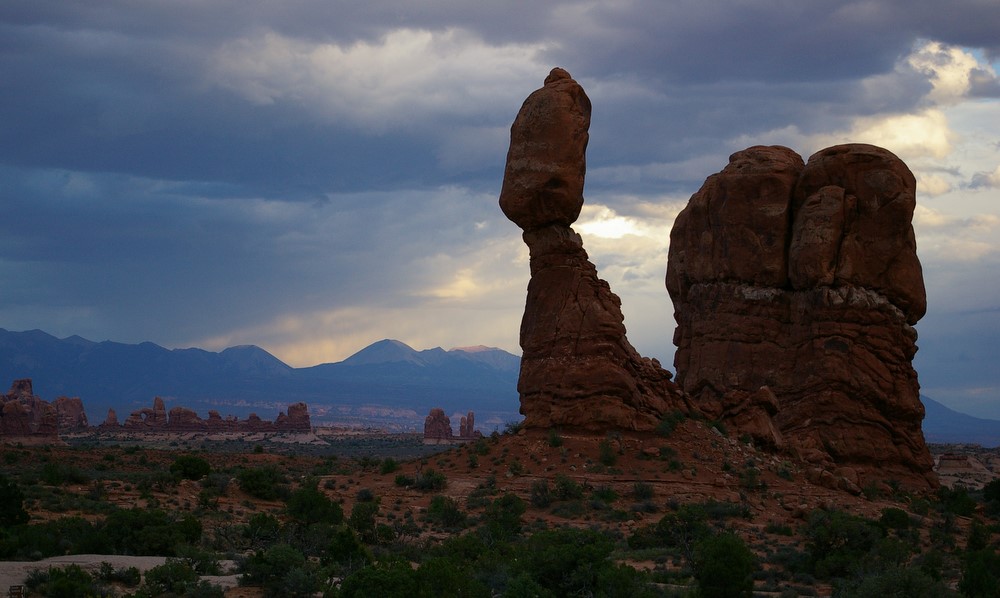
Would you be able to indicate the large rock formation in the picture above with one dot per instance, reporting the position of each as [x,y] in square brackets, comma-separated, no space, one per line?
[24,415]
[577,367]
[801,282]
[437,427]
[72,417]
[182,419]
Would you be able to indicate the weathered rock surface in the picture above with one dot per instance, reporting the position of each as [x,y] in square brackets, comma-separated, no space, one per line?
[437,427]
[22,414]
[182,419]
[804,279]
[467,427]
[577,367]
[72,417]
[111,421]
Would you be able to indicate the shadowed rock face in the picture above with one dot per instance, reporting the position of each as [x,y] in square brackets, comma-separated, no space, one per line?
[23,414]
[804,279]
[577,367]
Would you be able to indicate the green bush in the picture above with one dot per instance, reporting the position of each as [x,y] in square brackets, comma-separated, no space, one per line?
[838,542]
[309,505]
[541,497]
[723,567]
[190,467]
[68,582]
[444,511]
[901,582]
[430,480]
[265,483]
[606,453]
[388,466]
[980,574]
[894,518]
[11,504]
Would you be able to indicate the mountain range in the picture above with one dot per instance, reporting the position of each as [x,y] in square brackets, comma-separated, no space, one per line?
[387,384]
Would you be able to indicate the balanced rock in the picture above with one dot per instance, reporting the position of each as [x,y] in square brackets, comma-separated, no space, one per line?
[577,367]
[803,279]
[111,421]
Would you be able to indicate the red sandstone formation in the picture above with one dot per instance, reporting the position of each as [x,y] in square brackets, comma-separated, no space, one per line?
[577,368]
[111,421]
[72,417]
[182,419]
[22,414]
[437,427]
[467,427]
[801,282]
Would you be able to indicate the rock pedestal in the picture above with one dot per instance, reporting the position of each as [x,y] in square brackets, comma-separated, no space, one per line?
[577,367]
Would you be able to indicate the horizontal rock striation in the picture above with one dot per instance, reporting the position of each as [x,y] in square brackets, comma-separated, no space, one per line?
[802,279]
[577,367]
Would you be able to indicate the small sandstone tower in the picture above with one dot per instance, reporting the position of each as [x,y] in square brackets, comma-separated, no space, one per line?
[577,367]
[800,281]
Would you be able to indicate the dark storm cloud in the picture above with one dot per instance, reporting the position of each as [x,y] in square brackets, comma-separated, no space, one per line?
[174,171]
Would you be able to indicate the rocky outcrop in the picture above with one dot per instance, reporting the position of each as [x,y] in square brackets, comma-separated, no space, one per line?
[577,367]
[437,427]
[803,279]
[24,415]
[182,419]
[111,421]
[467,427]
[72,417]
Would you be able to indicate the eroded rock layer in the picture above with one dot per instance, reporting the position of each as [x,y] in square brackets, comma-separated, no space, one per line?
[577,367]
[803,279]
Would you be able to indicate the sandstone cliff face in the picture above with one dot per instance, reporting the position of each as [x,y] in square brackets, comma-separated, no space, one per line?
[577,367]
[802,280]
[437,427]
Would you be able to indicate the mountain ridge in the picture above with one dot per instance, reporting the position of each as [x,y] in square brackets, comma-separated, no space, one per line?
[387,374]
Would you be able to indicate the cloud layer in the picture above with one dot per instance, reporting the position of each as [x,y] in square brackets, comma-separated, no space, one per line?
[311,176]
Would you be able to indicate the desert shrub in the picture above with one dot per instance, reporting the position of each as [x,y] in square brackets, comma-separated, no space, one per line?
[956,500]
[444,511]
[566,489]
[682,529]
[541,497]
[502,519]
[723,567]
[265,483]
[144,532]
[385,579]
[388,466]
[669,423]
[404,481]
[555,439]
[58,474]
[204,562]
[190,467]
[67,582]
[281,570]
[837,542]
[308,505]
[606,453]
[606,494]
[345,553]
[904,582]
[172,577]
[642,491]
[894,518]
[980,574]
[11,504]
[430,480]
[438,576]
[262,529]
[129,577]
[991,491]
[572,562]
[362,520]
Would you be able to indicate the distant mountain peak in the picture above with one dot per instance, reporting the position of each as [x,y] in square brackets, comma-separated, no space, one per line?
[475,349]
[384,351]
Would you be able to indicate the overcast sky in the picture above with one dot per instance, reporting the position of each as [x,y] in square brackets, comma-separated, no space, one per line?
[311,176]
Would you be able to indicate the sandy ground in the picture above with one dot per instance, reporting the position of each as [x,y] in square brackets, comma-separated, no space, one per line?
[14,572]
